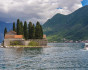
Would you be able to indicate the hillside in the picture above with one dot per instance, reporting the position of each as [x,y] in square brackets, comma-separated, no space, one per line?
[71,27]
[2,26]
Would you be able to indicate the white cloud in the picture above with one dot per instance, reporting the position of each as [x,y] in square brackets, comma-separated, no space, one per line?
[35,10]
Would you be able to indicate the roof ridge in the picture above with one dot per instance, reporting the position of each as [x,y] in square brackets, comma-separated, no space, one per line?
[12,32]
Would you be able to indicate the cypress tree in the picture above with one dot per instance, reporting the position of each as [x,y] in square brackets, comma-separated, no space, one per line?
[22,31]
[29,30]
[5,31]
[18,27]
[41,32]
[33,32]
[18,23]
[25,30]
[14,29]
[37,30]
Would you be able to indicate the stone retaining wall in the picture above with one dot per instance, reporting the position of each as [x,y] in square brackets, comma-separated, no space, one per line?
[41,42]
[7,41]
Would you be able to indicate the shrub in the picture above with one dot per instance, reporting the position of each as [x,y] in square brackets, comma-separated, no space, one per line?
[15,43]
[33,43]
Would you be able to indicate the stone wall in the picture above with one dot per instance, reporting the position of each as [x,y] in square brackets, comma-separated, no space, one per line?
[41,42]
[7,41]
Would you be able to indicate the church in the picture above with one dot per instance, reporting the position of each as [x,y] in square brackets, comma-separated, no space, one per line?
[12,36]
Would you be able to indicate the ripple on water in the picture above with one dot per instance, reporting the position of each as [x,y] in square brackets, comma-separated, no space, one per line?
[59,57]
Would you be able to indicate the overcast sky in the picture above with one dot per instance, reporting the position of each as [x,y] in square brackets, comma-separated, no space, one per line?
[36,10]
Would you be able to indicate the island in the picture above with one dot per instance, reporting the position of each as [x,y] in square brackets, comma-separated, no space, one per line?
[27,35]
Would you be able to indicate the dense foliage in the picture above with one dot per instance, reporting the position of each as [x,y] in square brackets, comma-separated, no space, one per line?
[22,28]
[38,31]
[14,26]
[15,43]
[5,31]
[25,30]
[18,27]
[71,27]
[33,43]
[30,31]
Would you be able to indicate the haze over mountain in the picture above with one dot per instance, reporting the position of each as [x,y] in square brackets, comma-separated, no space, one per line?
[72,27]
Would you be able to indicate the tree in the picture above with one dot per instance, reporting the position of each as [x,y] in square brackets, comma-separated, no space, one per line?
[14,29]
[18,22]
[22,27]
[18,27]
[29,30]
[25,30]
[33,32]
[5,31]
[41,32]
[38,31]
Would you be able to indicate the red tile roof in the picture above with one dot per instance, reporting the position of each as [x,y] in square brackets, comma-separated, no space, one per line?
[13,36]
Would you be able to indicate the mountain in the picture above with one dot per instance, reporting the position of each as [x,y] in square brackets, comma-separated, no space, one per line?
[71,27]
[2,27]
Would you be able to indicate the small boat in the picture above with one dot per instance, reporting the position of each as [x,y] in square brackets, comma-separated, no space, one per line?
[86,46]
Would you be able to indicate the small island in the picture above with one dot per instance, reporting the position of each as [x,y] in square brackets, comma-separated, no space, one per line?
[25,35]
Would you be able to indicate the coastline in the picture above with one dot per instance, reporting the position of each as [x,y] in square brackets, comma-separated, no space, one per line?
[24,46]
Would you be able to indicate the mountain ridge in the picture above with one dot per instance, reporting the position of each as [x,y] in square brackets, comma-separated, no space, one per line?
[72,27]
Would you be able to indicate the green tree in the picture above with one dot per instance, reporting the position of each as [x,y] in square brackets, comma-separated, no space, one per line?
[33,32]
[18,22]
[25,30]
[14,29]
[41,32]
[29,30]
[18,27]
[5,31]
[38,31]
[22,27]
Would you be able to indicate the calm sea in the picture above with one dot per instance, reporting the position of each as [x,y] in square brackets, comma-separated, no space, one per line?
[61,56]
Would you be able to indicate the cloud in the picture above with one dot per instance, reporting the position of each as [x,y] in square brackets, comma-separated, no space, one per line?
[35,10]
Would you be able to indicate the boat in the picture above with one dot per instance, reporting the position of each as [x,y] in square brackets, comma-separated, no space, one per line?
[86,46]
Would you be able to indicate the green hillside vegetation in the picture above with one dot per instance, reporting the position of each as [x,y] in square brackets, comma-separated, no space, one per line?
[71,27]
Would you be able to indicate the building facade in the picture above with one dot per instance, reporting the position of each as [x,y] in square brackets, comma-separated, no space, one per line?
[12,37]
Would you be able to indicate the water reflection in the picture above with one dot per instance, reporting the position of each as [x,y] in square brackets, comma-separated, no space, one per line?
[15,53]
[33,51]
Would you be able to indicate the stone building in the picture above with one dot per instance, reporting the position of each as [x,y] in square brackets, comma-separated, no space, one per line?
[12,36]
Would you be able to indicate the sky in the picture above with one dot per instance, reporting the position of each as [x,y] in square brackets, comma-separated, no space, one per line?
[85,2]
[37,10]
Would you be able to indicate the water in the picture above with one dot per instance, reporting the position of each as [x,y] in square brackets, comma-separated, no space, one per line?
[61,56]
